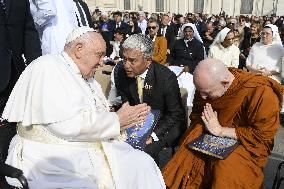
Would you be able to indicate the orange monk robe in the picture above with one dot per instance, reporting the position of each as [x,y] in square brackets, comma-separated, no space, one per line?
[251,105]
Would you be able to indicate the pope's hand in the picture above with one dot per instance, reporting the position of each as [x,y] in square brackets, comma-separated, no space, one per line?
[210,119]
[132,115]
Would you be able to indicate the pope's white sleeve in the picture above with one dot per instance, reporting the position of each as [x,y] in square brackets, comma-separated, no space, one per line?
[87,126]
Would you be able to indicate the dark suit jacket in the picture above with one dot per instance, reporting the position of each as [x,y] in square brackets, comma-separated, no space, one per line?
[163,95]
[112,26]
[187,56]
[17,36]
[170,35]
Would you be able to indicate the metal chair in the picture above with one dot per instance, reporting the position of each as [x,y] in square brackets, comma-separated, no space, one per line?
[9,171]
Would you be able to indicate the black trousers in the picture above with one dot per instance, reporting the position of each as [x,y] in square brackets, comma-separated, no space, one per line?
[8,131]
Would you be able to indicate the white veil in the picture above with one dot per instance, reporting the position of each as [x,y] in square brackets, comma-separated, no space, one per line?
[195,34]
[275,33]
[220,36]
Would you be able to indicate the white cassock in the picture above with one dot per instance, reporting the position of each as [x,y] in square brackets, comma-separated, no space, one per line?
[66,133]
[54,20]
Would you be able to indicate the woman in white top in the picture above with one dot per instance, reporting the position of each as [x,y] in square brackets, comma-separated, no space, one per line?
[266,56]
[223,48]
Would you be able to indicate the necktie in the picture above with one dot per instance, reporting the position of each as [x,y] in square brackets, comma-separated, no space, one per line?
[81,14]
[140,88]
[117,25]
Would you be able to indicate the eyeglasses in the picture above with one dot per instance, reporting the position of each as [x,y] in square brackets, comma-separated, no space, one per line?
[151,27]
[265,34]
[100,54]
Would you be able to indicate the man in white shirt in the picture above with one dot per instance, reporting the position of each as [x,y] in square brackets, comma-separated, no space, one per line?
[142,22]
[66,134]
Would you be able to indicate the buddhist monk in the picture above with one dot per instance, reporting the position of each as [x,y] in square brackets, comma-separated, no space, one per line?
[234,104]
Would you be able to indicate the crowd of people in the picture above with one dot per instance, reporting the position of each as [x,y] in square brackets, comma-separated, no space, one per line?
[64,132]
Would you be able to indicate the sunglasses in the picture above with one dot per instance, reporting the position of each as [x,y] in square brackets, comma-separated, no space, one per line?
[151,27]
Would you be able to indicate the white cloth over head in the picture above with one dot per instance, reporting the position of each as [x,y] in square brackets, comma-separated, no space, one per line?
[221,36]
[195,34]
[275,34]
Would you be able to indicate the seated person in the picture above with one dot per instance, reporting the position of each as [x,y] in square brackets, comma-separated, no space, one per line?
[141,80]
[266,56]
[160,42]
[223,48]
[116,55]
[66,134]
[188,50]
[234,104]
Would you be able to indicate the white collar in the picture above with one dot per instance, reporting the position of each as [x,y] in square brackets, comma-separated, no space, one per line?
[70,62]
[187,40]
[144,74]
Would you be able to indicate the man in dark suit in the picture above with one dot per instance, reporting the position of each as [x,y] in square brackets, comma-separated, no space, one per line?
[159,90]
[168,31]
[18,38]
[117,23]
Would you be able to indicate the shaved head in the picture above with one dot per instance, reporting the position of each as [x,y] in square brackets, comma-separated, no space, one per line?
[211,78]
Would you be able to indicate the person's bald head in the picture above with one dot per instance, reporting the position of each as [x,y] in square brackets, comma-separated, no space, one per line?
[212,78]
[87,51]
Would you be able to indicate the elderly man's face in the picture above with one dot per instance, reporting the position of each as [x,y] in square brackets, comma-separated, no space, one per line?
[208,90]
[92,57]
[134,62]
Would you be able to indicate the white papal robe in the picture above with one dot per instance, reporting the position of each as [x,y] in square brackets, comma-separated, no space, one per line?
[66,134]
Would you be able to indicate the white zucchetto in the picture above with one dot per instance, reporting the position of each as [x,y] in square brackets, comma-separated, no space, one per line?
[77,32]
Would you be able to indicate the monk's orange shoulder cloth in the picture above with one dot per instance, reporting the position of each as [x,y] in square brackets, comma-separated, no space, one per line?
[251,105]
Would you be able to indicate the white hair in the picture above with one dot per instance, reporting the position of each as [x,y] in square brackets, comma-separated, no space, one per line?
[139,42]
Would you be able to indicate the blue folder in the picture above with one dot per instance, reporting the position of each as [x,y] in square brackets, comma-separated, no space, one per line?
[139,134]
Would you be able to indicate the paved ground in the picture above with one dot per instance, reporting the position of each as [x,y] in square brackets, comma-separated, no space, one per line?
[276,157]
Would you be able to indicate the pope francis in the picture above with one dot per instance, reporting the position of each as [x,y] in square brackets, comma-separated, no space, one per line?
[66,136]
